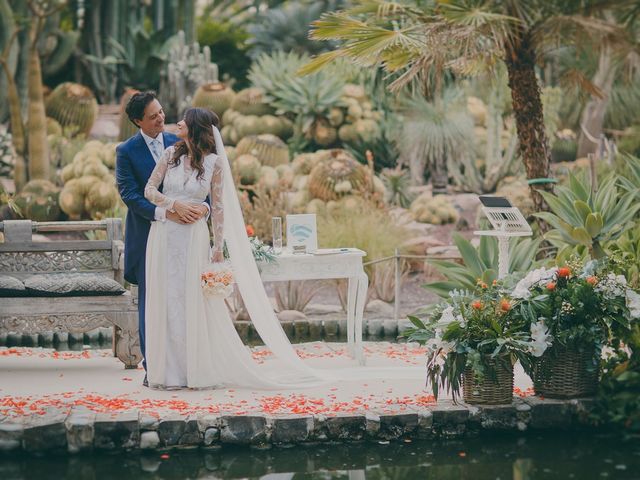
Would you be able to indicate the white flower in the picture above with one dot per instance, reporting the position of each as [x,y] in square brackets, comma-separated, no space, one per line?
[540,338]
[633,303]
[343,187]
[533,278]
[447,317]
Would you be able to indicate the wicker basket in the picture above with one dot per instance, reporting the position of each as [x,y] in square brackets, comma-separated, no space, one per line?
[493,388]
[566,373]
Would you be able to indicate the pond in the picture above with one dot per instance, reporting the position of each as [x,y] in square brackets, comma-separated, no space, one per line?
[579,455]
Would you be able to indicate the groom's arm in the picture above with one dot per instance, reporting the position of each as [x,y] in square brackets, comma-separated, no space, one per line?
[132,195]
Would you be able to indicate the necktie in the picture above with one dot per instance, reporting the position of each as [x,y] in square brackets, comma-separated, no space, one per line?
[156,150]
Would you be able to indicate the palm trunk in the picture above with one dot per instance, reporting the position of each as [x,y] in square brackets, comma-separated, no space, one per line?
[592,119]
[527,107]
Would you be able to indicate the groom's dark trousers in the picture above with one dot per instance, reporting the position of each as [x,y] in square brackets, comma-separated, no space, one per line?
[134,164]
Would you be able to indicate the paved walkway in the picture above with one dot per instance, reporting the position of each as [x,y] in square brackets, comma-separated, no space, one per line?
[35,381]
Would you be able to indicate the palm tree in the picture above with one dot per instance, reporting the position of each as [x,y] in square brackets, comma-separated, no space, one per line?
[420,37]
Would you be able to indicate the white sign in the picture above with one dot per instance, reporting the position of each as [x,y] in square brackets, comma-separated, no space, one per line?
[302,231]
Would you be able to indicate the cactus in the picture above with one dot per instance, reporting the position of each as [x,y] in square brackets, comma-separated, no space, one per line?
[229,116]
[285,173]
[102,197]
[217,97]
[53,127]
[435,210]
[247,125]
[71,199]
[268,149]
[127,128]
[268,178]
[247,167]
[337,174]
[323,133]
[186,69]
[7,153]
[303,163]
[38,201]
[251,101]
[74,106]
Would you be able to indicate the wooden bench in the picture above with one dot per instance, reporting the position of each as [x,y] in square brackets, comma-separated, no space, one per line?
[22,256]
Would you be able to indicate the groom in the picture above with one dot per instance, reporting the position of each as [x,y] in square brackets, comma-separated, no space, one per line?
[135,160]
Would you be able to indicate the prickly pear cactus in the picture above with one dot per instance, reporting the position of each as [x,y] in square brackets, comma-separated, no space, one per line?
[73,106]
[336,175]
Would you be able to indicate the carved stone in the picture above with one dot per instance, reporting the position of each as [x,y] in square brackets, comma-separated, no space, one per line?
[55,262]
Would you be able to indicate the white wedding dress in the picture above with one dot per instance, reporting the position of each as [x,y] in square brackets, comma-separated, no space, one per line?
[191,340]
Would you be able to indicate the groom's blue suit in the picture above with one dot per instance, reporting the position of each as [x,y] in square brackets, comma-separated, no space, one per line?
[134,164]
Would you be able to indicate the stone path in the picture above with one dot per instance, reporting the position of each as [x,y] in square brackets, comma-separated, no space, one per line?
[76,401]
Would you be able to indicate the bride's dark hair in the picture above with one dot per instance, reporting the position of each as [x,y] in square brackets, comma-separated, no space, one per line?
[200,138]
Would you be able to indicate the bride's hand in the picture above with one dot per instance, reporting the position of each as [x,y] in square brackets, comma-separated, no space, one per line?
[188,212]
[217,257]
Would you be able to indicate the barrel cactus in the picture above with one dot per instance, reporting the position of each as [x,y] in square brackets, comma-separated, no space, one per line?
[102,197]
[303,163]
[251,101]
[336,175]
[247,168]
[268,177]
[53,127]
[436,210]
[71,199]
[74,107]
[215,96]
[38,201]
[269,149]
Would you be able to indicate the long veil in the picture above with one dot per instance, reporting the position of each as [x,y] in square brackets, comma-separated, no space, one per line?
[257,302]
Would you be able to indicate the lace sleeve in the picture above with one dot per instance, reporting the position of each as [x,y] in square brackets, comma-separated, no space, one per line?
[217,208]
[151,191]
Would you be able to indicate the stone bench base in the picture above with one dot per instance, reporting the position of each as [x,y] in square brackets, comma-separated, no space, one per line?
[77,315]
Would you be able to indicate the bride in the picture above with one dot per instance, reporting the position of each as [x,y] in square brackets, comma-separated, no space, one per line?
[191,339]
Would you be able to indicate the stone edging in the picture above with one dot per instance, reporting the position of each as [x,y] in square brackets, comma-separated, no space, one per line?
[83,430]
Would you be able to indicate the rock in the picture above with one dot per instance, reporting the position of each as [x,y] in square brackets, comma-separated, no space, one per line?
[380,308]
[211,436]
[179,431]
[390,328]
[346,427]
[301,330]
[245,430]
[80,430]
[45,339]
[449,419]
[397,425]
[10,436]
[291,316]
[315,330]
[149,440]
[61,337]
[116,431]
[47,433]
[291,430]
[498,417]
[320,309]
[331,327]
[374,327]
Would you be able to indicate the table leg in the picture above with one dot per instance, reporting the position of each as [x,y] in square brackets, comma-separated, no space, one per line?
[352,291]
[363,285]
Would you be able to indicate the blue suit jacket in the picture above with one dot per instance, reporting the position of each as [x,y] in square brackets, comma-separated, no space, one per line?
[134,164]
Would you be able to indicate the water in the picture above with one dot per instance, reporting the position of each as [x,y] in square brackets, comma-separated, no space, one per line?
[576,455]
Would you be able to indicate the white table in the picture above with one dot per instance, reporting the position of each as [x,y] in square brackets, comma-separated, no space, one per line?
[346,264]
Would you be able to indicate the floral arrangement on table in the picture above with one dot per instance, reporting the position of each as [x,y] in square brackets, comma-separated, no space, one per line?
[261,251]
[474,331]
[217,281]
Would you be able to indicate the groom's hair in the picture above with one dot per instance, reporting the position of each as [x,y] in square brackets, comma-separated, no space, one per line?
[137,103]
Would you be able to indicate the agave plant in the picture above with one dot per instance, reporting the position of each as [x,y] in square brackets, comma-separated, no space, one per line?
[481,263]
[582,216]
[434,133]
[397,182]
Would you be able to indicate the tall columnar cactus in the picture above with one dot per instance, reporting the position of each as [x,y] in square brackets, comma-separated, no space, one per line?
[186,69]
[127,128]
[336,175]
[37,122]
[217,97]
[74,106]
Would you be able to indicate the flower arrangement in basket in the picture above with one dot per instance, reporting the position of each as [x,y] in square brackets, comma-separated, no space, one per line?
[475,341]
[578,307]
[217,281]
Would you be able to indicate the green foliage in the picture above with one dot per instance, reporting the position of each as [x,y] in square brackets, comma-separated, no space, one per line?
[383,147]
[228,48]
[397,183]
[472,329]
[580,217]
[481,263]
[630,142]
[286,28]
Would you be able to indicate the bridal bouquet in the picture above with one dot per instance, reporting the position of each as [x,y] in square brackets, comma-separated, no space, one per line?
[217,281]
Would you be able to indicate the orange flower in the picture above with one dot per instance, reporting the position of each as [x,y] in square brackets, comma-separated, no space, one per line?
[551,286]
[477,304]
[250,231]
[494,283]
[564,272]
[592,280]
[505,305]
